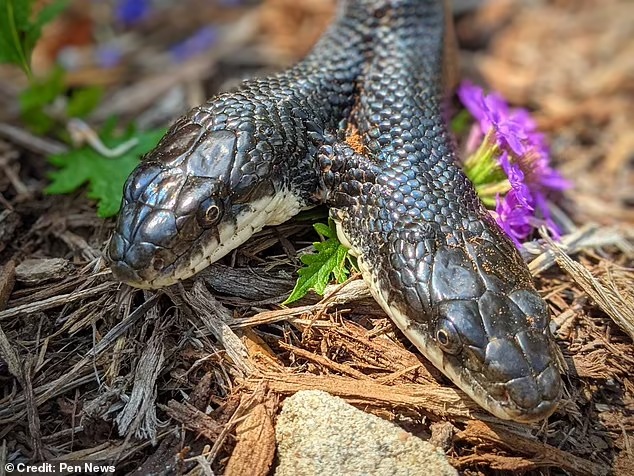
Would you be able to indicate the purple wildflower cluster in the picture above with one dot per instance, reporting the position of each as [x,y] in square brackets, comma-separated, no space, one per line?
[510,137]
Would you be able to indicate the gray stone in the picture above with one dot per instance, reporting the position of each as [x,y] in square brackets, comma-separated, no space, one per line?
[318,434]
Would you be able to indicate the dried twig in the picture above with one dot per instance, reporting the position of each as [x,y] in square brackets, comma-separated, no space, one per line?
[605,294]
[480,433]
[217,320]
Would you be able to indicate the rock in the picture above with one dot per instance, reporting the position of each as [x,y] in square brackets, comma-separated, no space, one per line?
[36,271]
[320,434]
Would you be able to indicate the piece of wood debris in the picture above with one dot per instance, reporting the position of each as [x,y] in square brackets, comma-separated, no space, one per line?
[442,434]
[479,433]
[217,319]
[251,284]
[58,300]
[441,401]
[193,419]
[7,281]
[590,236]
[164,461]
[37,271]
[604,292]
[138,417]
[354,291]
[255,449]
[9,223]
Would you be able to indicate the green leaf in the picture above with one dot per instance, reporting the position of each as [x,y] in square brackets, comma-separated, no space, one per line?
[14,18]
[43,92]
[37,96]
[328,261]
[104,176]
[83,101]
[19,32]
[325,230]
[461,122]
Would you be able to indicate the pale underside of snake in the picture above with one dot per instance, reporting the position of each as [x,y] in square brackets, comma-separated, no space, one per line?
[433,258]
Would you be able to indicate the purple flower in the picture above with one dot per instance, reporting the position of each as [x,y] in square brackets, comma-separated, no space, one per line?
[516,178]
[511,137]
[198,43]
[129,12]
[513,216]
[108,55]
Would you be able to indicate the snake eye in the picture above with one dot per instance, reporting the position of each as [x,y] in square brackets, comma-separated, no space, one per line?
[209,213]
[448,338]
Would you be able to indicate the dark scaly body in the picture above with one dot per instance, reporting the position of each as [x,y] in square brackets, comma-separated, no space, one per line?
[434,259]
[432,255]
[243,160]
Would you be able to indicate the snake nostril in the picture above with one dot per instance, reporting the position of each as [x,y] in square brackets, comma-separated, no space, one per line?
[158,264]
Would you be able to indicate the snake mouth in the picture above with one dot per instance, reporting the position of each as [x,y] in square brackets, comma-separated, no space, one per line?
[150,270]
[146,265]
[531,395]
[152,248]
[524,399]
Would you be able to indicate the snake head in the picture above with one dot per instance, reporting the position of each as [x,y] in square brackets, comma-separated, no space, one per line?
[490,330]
[502,345]
[470,307]
[178,214]
[165,218]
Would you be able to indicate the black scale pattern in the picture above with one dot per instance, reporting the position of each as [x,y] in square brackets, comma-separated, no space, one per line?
[434,257]
[235,149]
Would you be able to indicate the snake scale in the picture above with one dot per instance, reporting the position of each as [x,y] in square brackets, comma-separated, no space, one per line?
[358,124]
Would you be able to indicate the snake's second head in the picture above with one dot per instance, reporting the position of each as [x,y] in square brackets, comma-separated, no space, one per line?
[169,226]
[490,330]
[181,212]
[500,346]
[474,313]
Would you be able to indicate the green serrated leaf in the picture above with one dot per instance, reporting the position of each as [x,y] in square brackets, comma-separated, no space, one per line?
[19,33]
[329,261]
[325,230]
[104,176]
